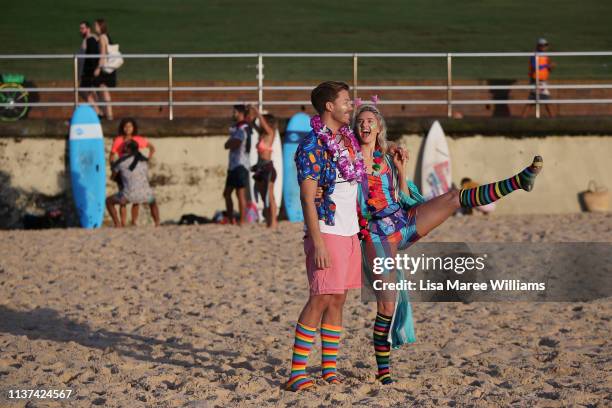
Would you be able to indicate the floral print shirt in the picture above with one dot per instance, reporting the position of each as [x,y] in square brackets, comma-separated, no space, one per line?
[314,162]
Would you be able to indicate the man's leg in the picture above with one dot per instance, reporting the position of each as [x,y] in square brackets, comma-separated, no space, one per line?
[305,333]
[229,205]
[91,99]
[242,203]
[331,329]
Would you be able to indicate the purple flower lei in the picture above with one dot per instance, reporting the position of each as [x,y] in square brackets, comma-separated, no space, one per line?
[349,169]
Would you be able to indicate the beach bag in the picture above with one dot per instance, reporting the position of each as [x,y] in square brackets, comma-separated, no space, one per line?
[596,198]
[114,60]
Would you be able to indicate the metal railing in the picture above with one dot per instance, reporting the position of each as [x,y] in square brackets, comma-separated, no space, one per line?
[260,88]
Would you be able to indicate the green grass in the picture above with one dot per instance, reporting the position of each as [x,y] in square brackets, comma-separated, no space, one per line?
[187,26]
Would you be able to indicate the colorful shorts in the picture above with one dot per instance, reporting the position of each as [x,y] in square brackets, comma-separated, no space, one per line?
[345,270]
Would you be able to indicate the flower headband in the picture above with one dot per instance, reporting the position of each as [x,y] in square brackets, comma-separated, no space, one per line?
[358,101]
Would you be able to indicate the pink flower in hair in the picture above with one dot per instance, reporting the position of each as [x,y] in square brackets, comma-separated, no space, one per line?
[358,102]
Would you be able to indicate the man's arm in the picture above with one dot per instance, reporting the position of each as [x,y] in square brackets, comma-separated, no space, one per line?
[232,143]
[308,190]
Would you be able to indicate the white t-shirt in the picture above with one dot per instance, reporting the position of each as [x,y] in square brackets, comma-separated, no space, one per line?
[345,216]
[240,156]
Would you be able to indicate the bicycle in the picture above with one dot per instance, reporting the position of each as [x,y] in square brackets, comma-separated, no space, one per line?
[14,97]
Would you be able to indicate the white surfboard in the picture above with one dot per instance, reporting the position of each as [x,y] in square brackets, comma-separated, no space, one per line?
[277,158]
[436,168]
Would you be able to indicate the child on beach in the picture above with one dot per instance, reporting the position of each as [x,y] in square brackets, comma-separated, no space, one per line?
[238,144]
[393,216]
[328,157]
[128,131]
[132,169]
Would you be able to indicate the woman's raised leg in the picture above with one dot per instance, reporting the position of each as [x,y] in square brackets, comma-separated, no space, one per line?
[435,211]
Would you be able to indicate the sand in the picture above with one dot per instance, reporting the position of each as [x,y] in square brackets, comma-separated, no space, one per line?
[203,316]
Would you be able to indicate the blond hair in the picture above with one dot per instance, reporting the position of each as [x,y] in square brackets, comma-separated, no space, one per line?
[381,139]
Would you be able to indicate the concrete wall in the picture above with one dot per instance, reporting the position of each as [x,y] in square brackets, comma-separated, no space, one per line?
[569,163]
[188,173]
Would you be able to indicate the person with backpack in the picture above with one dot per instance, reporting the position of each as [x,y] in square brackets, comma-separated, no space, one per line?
[102,77]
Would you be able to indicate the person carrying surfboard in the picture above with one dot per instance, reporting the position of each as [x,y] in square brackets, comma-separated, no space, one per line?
[328,157]
[393,215]
[264,172]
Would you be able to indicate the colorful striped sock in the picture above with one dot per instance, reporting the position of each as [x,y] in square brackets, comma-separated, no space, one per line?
[382,347]
[330,340]
[304,339]
[488,193]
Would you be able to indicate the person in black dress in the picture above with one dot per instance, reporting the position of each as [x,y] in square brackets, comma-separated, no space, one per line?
[102,78]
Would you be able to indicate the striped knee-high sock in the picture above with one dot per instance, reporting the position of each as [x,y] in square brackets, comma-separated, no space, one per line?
[382,347]
[330,340]
[304,339]
[488,193]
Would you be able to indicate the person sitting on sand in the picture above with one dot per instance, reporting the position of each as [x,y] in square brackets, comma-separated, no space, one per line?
[128,131]
[132,169]
[393,216]
[238,144]
[264,171]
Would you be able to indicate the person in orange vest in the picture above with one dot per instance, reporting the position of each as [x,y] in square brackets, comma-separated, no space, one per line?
[542,73]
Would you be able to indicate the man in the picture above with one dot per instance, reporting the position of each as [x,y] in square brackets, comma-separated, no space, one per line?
[542,73]
[238,144]
[328,158]
[87,66]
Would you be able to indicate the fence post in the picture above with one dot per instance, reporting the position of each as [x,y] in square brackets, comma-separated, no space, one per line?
[537,85]
[449,85]
[355,62]
[260,81]
[170,91]
[75,72]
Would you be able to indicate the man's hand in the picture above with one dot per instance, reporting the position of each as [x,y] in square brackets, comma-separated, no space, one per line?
[322,258]
[319,194]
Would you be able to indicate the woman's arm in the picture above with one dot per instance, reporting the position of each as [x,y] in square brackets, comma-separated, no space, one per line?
[265,125]
[399,161]
[151,149]
[103,51]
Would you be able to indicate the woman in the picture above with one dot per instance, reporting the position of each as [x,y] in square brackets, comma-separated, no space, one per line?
[104,79]
[133,170]
[128,131]
[264,171]
[393,216]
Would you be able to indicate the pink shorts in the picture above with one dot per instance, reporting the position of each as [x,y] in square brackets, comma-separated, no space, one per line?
[345,271]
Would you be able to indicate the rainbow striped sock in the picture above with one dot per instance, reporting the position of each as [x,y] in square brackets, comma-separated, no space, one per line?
[304,339]
[330,340]
[488,193]
[382,347]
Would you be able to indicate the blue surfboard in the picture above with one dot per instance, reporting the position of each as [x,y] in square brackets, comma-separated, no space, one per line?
[87,166]
[297,128]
